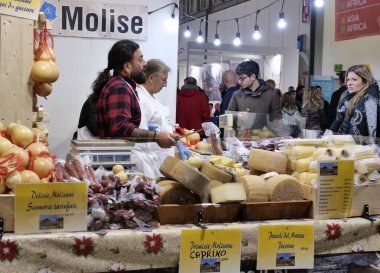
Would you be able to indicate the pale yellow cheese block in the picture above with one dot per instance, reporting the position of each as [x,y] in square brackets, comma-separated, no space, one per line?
[172,192]
[267,161]
[284,188]
[215,183]
[214,173]
[302,151]
[222,160]
[187,175]
[228,192]
[256,188]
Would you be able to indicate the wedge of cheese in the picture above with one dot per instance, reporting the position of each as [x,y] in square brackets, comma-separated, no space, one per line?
[284,187]
[222,160]
[194,161]
[172,192]
[214,173]
[228,192]
[187,175]
[256,188]
[301,165]
[267,161]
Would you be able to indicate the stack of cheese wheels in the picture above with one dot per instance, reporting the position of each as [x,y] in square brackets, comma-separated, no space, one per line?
[267,161]
[187,175]
[173,192]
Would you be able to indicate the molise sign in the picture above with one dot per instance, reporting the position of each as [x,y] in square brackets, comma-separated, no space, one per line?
[97,19]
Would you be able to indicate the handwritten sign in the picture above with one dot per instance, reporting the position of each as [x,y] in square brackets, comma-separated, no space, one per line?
[356,18]
[27,9]
[51,207]
[335,189]
[285,247]
[210,251]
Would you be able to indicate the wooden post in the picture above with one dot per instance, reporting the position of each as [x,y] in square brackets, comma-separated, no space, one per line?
[16,60]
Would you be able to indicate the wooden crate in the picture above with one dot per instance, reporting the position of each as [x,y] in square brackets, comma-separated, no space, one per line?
[188,214]
[274,210]
[7,210]
[363,194]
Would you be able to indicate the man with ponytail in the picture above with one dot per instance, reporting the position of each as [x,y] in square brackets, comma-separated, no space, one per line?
[118,111]
[361,103]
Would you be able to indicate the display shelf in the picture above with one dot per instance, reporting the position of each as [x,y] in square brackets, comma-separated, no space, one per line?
[160,248]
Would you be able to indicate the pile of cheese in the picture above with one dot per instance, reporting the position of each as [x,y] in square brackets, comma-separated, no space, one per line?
[221,180]
[303,156]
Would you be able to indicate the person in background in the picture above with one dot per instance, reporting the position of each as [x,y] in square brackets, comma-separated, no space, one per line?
[211,106]
[290,115]
[278,92]
[253,95]
[192,106]
[326,104]
[291,88]
[87,127]
[271,84]
[217,110]
[312,109]
[299,97]
[230,82]
[222,88]
[335,98]
[154,116]
[363,110]
[118,111]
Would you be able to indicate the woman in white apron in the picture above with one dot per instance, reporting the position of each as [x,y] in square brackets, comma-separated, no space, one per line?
[154,116]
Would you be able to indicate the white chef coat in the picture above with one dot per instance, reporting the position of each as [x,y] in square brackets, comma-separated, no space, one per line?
[149,156]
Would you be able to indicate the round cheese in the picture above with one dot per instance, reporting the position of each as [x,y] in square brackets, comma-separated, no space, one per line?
[256,188]
[173,192]
[284,187]
[267,161]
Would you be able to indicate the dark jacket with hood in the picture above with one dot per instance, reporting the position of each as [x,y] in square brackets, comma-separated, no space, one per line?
[365,120]
[263,101]
[192,107]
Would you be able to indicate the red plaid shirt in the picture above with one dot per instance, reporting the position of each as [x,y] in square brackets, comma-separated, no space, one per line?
[118,109]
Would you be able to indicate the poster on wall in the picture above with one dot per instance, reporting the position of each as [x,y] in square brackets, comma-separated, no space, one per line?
[97,19]
[355,19]
[327,84]
[22,9]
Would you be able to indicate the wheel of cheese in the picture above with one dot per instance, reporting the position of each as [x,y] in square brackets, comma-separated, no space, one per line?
[256,188]
[214,173]
[187,175]
[228,192]
[173,192]
[267,161]
[284,187]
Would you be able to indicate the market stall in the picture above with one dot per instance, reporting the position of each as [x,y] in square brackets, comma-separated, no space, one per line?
[109,251]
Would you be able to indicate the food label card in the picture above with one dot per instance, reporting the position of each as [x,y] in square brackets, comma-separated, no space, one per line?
[208,250]
[50,207]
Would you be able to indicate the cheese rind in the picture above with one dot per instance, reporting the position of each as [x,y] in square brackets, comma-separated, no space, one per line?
[187,175]
[267,161]
[256,188]
[228,192]
[284,187]
[214,173]
[173,192]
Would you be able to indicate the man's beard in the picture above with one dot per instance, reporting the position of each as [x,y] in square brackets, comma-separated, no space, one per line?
[138,77]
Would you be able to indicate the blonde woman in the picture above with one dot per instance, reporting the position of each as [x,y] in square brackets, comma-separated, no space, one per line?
[363,109]
[312,109]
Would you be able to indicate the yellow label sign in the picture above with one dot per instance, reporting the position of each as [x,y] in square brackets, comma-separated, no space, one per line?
[50,207]
[27,9]
[285,247]
[210,250]
[335,188]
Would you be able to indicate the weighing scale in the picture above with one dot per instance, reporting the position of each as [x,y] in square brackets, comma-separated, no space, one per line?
[104,152]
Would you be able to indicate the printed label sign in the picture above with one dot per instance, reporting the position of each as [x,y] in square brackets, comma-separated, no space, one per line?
[335,189]
[356,18]
[285,247]
[210,250]
[27,9]
[50,207]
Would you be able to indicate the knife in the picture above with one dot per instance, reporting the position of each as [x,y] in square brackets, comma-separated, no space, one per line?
[176,138]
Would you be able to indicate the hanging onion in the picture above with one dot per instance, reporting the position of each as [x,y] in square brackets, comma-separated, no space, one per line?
[41,71]
[42,89]
[20,152]
[43,166]
[37,148]
[5,144]
[28,176]
[21,135]
[13,179]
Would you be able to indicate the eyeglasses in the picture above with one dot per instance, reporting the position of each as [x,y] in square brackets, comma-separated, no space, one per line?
[242,78]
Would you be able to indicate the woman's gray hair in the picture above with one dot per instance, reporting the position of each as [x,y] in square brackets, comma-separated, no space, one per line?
[155,66]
